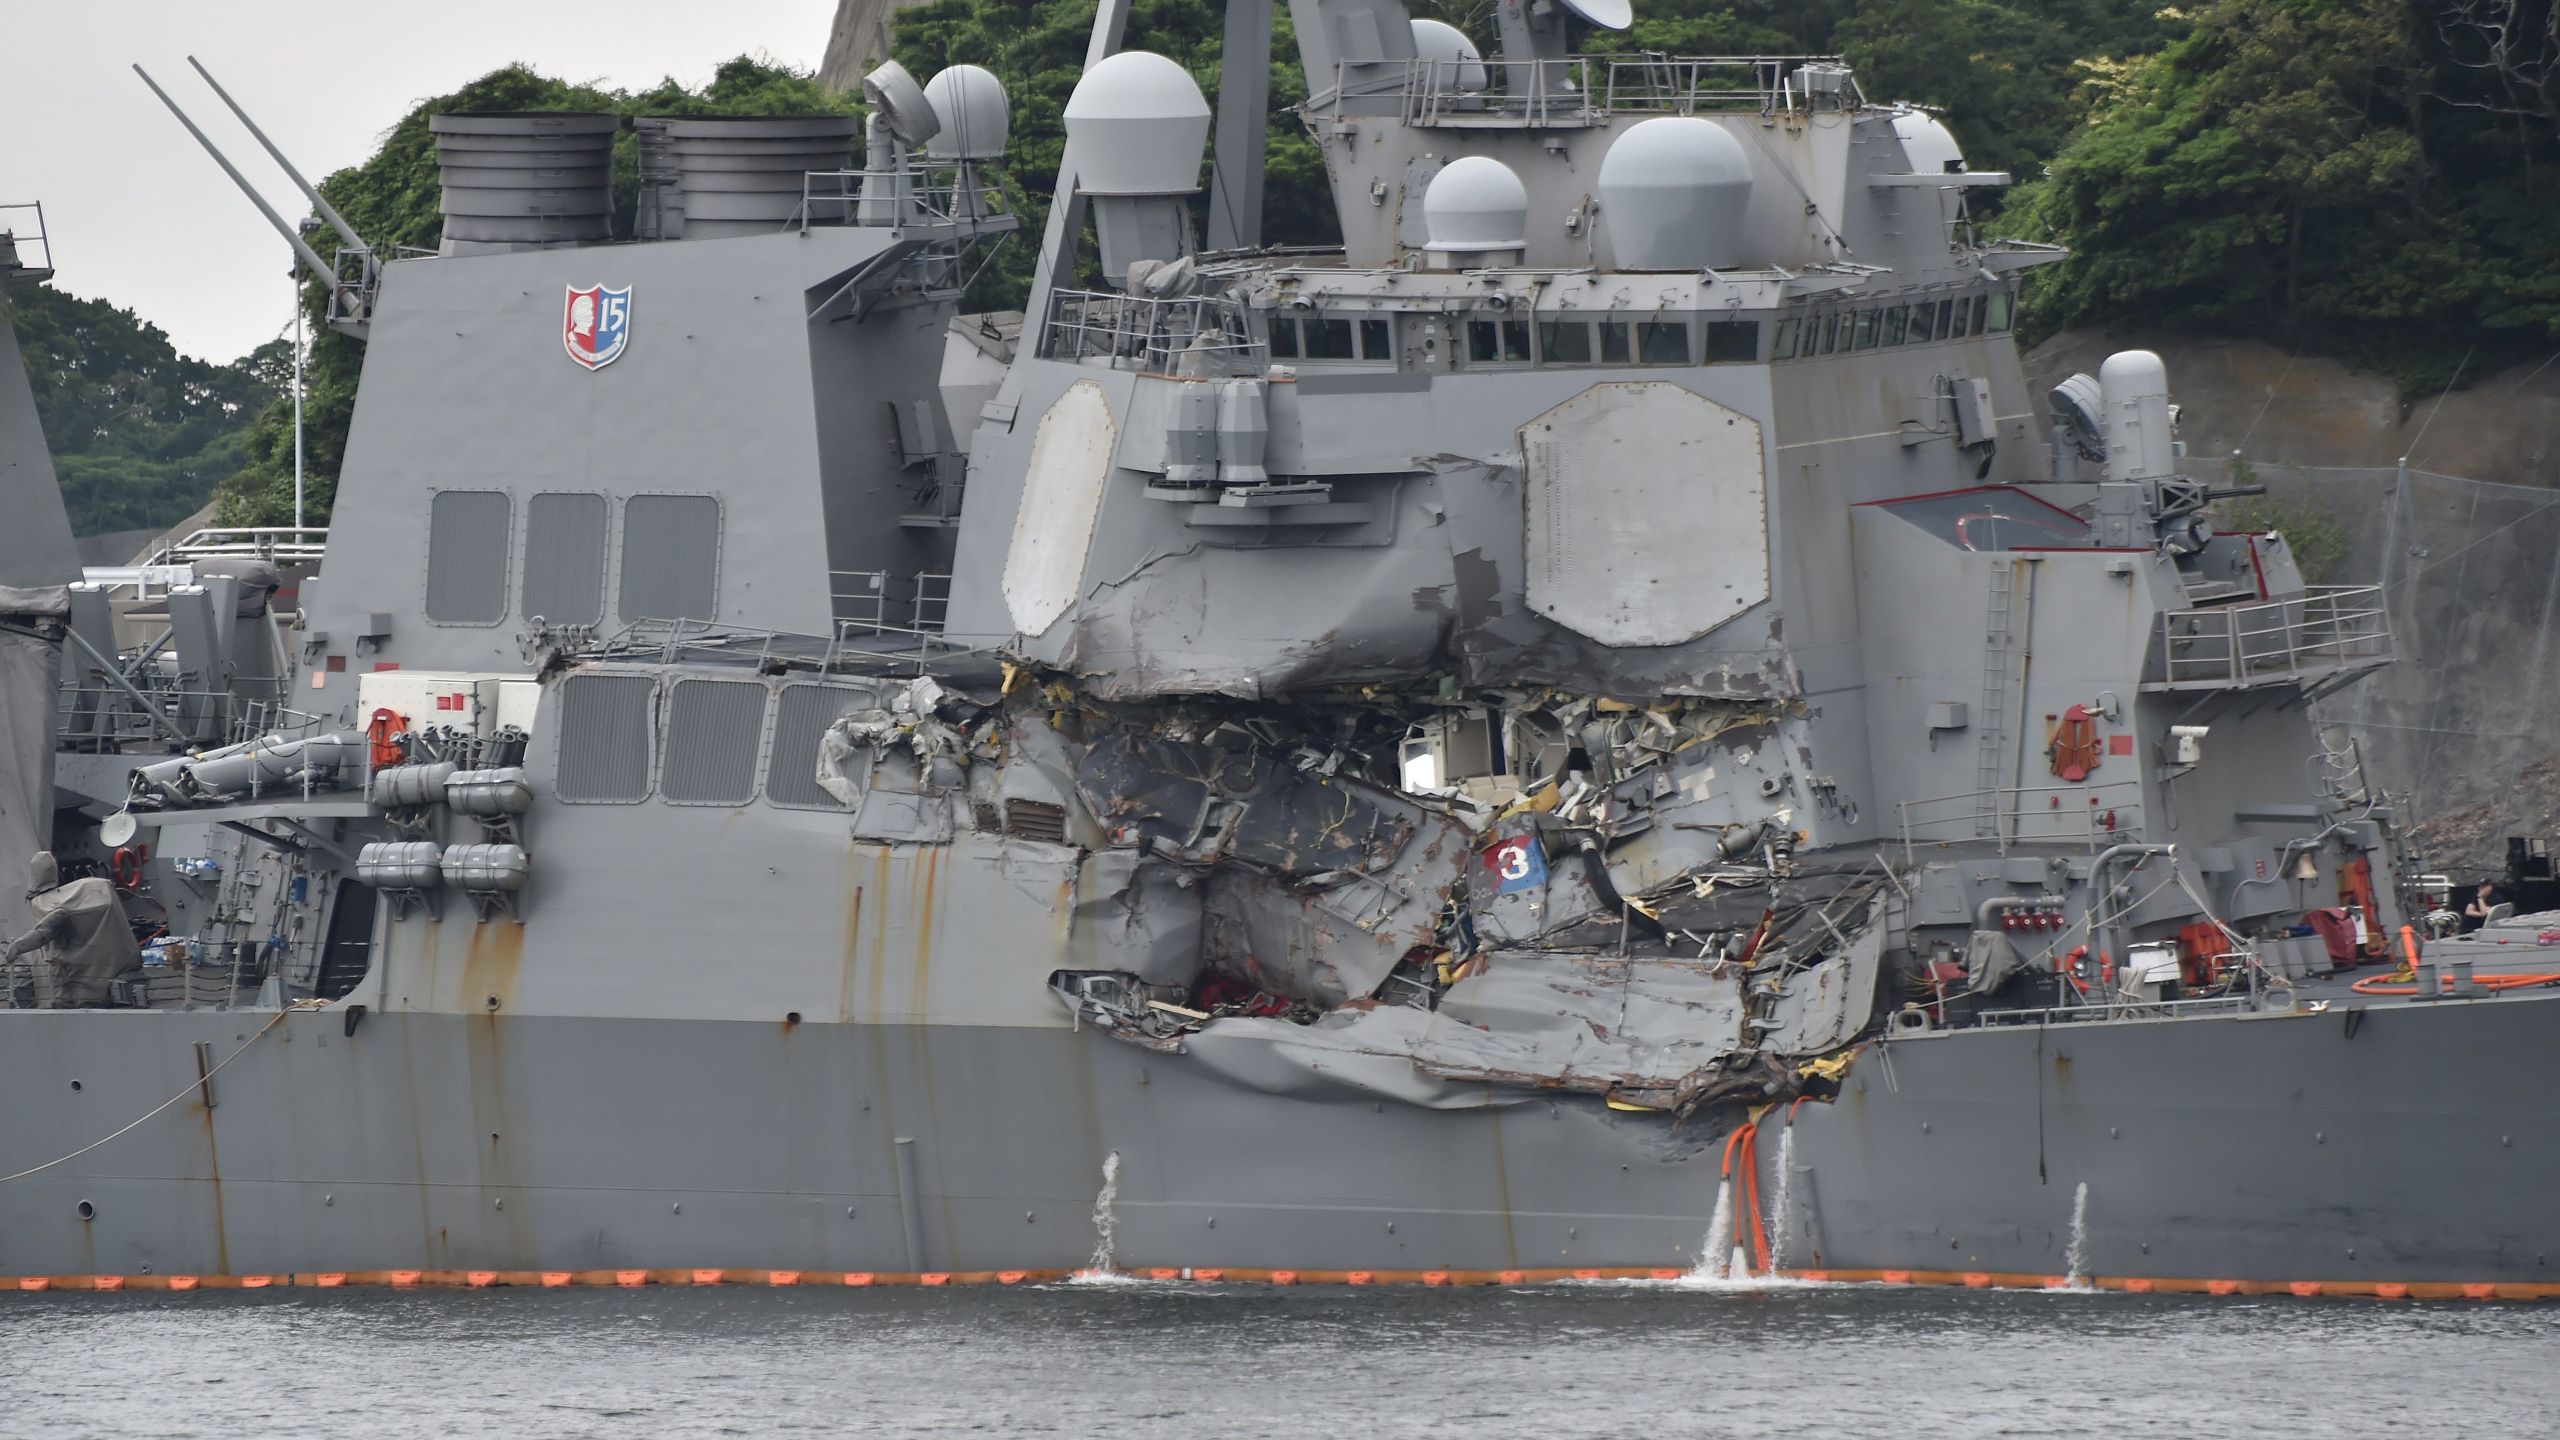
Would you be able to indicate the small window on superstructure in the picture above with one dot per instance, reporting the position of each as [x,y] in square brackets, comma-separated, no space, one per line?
[1867,329]
[1733,341]
[2002,302]
[1939,328]
[1782,341]
[1895,323]
[1564,342]
[1964,319]
[1329,339]
[1284,338]
[1377,339]
[1662,342]
[1616,346]
[1498,342]
[1981,314]
[1831,326]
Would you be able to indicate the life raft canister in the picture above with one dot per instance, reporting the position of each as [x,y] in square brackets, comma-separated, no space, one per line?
[383,732]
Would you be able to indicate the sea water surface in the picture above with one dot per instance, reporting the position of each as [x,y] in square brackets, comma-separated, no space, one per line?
[1194,1360]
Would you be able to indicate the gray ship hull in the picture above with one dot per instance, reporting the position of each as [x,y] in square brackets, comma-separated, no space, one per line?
[2266,1150]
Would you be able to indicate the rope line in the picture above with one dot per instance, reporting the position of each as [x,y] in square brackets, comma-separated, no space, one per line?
[191,1086]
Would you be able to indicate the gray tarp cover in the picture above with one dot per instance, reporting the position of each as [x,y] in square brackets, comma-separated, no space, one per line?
[30,667]
[80,932]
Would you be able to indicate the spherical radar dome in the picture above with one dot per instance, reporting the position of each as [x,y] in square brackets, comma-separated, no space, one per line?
[1673,191]
[1137,122]
[1455,62]
[1476,203]
[976,116]
[1927,144]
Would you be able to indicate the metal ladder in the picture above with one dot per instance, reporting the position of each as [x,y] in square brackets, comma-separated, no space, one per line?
[1995,700]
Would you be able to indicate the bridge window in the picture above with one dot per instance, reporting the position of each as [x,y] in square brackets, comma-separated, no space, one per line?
[2002,302]
[1565,342]
[1498,342]
[1782,341]
[1730,341]
[1377,340]
[1662,342]
[1615,348]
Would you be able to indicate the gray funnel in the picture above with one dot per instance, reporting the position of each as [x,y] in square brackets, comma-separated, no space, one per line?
[744,175]
[517,181]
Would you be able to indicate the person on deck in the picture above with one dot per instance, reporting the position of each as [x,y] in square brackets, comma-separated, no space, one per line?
[2476,913]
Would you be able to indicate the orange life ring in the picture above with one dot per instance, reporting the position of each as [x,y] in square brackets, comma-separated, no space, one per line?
[124,868]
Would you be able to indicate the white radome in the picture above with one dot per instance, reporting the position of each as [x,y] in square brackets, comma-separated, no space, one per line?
[1476,203]
[1136,123]
[977,117]
[1455,61]
[1673,191]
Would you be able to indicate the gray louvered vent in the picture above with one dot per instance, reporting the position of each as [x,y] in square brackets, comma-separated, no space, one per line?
[670,558]
[1036,820]
[467,532]
[605,739]
[713,730]
[564,558]
[800,717]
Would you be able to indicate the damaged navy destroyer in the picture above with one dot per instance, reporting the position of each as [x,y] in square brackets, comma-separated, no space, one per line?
[1595,729]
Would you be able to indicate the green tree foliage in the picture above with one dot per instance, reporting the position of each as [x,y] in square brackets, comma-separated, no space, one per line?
[2373,178]
[140,434]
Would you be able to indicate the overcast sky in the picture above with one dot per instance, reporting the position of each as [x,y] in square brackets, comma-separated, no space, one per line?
[139,215]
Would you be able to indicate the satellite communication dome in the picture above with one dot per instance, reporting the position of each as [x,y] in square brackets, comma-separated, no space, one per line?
[1476,203]
[1929,146]
[1455,62]
[1137,122]
[1673,190]
[976,116]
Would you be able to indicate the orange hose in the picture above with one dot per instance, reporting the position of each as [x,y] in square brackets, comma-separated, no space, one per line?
[1759,1225]
[1740,1132]
[2409,943]
[2381,984]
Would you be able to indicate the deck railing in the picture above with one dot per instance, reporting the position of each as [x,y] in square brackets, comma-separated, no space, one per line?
[2325,632]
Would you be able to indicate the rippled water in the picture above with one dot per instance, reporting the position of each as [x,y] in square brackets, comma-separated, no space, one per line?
[1194,1360]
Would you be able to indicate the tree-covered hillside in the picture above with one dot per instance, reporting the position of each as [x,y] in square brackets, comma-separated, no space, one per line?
[140,434]
[2375,179]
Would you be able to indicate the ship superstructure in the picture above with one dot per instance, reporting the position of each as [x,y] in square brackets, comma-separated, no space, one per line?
[1405,758]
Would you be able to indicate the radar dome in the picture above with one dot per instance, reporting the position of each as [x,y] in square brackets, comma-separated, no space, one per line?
[1929,146]
[1455,62]
[975,114]
[1476,203]
[1672,191]
[1137,123]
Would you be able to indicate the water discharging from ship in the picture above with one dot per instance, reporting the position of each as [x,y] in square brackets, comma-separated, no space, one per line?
[1778,1219]
[2075,1256]
[1105,1218]
[1717,1254]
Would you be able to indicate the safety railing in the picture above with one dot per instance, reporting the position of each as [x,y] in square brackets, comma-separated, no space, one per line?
[1135,332]
[917,193]
[25,251]
[2090,816]
[2325,632]
[877,602]
[1587,89]
[284,544]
